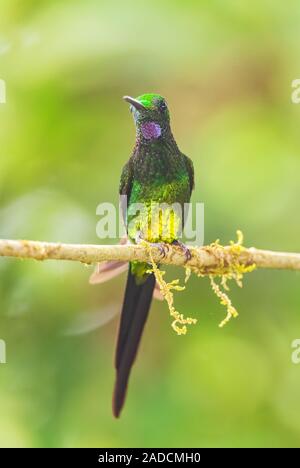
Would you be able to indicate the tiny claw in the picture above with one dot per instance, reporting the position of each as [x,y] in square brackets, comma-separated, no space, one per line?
[163,248]
[138,238]
[184,248]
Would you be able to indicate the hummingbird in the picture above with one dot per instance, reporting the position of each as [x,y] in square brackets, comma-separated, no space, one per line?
[155,181]
[156,173]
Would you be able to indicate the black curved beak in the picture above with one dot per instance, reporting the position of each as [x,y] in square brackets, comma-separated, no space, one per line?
[134,102]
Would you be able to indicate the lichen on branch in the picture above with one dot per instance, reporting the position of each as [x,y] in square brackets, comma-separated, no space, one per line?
[180,322]
[226,263]
[226,272]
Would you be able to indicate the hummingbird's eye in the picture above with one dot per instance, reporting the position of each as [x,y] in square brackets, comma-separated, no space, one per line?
[162,105]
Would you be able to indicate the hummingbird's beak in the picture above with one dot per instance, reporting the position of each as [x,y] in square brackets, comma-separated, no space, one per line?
[134,102]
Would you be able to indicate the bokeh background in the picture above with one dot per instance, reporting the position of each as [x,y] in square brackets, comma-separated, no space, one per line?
[226,70]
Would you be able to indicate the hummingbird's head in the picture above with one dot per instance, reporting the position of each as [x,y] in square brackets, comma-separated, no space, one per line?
[151,115]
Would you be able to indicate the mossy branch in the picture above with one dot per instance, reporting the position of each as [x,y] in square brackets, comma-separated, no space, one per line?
[216,261]
[206,260]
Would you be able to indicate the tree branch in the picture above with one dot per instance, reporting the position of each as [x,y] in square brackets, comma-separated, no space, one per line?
[204,259]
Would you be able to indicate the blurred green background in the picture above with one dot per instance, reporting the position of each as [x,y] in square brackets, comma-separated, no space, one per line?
[226,70]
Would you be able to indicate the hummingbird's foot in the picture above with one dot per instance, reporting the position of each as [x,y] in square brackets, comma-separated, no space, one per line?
[163,248]
[139,238]
[184,248]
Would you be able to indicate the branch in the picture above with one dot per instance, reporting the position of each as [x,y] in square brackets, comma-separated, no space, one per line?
[204,259]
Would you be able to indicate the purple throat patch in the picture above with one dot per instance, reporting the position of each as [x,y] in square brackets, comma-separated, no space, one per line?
[151,130]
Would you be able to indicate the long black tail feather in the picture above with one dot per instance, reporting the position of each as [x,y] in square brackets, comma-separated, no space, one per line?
[134,314]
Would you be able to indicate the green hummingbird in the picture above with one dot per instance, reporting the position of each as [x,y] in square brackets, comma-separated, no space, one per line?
[156,174]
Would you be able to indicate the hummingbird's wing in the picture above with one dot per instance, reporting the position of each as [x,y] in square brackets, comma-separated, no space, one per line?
[125,187]
[106,271]
[190,169]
